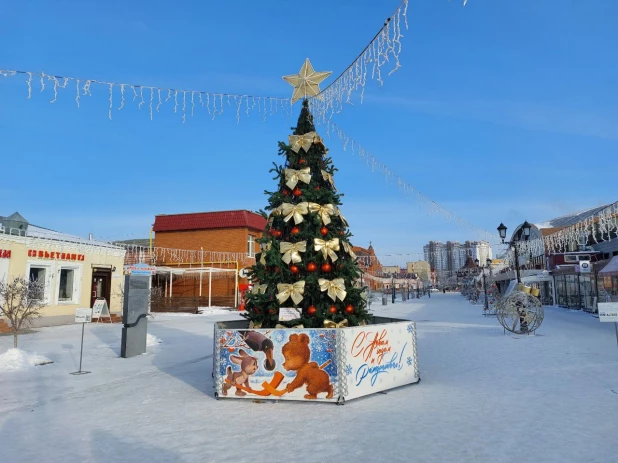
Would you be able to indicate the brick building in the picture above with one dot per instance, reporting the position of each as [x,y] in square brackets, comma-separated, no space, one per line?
[369,265]
[232,232]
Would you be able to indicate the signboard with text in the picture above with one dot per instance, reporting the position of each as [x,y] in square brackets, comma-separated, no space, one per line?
[139,269]
[100,308]
[83,315]
[380,357]
[608,311]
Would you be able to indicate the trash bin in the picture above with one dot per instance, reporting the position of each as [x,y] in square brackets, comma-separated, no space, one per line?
[384,299]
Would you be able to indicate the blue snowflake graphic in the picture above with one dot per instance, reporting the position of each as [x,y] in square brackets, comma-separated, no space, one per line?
[410,361]
[410,328]
[279,336]
[348,369]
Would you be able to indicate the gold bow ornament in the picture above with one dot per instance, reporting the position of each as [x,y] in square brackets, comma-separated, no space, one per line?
[347,247]
[293,176]
[329,178]
[293,290]
[259,289]
[291,251]
[294,210]
[335,288]
[265,248]
[332,324]
[338,212]
[328,248]
[302,141]
[324,211]
[279,326]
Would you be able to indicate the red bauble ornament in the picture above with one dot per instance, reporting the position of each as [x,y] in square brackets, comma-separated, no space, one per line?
[332,309]
[295,231]
[317,188]
[326,267]
[311,310]
[276,269]
[341,232]
[293,269]
[349,309]
[297,192]
[285,192]
[302,161]
[323,231]
[276,233]
[272,311]
[311,267]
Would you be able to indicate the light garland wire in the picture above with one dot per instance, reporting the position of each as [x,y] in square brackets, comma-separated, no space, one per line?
[392,178]
[215,102]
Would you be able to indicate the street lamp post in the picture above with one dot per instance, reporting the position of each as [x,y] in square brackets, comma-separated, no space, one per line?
[488,262]
[514,244]
[393,284]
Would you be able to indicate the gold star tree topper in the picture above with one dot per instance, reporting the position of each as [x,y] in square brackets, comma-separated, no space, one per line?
[306,82]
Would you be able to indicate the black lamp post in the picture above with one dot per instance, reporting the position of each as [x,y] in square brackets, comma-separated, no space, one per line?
[393,283]
[523,235]
[488,262]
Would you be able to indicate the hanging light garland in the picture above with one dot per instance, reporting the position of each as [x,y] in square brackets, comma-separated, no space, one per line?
[408,190]
[183,102]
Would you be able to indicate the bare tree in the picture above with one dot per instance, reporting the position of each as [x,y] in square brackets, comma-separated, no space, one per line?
[21,302]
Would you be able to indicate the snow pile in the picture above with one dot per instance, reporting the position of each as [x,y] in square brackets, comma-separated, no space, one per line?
[17,359]
[152,340]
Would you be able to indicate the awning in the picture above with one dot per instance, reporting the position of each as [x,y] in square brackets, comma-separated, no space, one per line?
[611,268]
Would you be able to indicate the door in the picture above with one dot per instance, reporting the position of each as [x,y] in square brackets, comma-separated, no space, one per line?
[101,286]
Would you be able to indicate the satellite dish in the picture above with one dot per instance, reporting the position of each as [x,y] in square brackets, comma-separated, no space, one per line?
[243,273]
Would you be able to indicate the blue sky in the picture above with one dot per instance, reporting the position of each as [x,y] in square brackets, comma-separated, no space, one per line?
[502,111]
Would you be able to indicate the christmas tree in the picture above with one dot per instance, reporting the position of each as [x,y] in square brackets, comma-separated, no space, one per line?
[306,260]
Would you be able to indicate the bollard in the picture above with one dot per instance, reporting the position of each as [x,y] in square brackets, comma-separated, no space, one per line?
[384,299]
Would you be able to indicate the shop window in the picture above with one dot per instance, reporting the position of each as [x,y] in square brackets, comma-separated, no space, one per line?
[68,285]
[251,246]
[41,275]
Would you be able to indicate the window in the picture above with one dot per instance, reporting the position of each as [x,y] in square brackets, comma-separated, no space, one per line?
[65,290]
[251,246]
[41,275]
[68,282]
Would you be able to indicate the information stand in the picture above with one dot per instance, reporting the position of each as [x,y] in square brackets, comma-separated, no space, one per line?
[608,312]
[82,316]
[100,310]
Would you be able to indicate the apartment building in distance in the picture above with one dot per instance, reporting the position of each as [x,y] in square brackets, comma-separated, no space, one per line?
[447,258]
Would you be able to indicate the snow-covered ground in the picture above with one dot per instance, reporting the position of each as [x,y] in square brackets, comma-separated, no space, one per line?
[484,397]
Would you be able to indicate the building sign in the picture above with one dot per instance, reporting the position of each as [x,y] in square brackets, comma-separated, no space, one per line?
[584,266]
[5,254]
[139,269]
[55,255]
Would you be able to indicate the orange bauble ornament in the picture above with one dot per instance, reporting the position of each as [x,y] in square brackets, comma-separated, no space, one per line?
[311,310]
[349,309]
[326,267]
[297,192]
[302,161]
[332,309]
[323,231]
[295,231]
[311,267]
[293,269]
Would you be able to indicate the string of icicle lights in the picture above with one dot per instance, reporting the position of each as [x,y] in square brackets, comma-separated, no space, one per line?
[381,52]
